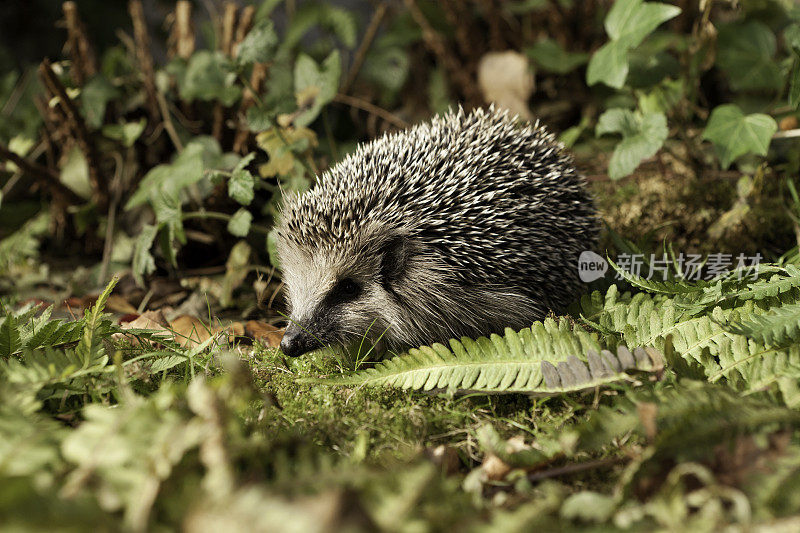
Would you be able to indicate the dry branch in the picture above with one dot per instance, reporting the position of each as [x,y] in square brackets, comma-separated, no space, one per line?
[44,176]
[143,56]
[84,61]
[80,132]
[363,48]
[436,44]
[182,36]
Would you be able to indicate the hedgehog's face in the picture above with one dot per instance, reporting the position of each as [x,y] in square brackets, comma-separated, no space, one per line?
[337,295]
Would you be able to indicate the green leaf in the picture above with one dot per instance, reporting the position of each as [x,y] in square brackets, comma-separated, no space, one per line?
[627,24]
[239,224]
[90,348]
[125,132]
[630,21]
[143,262]
[745,53]
[780,325]
[209,76]
[794,84]
[95,95]
[734,134]
[609,65]
[75,173]
[314,85]
[260,119]
[241,182]
[259,45]
[642,136]
[9,336]
[549,55]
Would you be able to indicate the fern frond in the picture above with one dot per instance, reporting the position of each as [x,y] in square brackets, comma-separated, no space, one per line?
[779,326]
[671,287]
[90,348]
[600,369]
[537,360]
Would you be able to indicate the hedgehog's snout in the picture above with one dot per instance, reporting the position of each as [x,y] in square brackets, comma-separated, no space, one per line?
[296,341]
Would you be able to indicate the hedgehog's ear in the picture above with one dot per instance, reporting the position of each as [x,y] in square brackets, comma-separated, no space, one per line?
[394,256]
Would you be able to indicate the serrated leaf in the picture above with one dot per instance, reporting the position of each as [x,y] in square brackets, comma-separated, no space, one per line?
[259,45]
[240,186]
[734,134]
[9,336]
[209,76]
[90,348]
[319,82]
[239,224]
[780,325]
[642,136]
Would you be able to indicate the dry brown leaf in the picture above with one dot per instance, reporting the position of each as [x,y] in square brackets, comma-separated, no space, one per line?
[446,457]
[266,334]
[118,304]
[505,78]
[190,331]
[153,320]
[494,467]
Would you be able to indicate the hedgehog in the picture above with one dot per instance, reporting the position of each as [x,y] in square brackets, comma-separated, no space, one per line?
[461,226]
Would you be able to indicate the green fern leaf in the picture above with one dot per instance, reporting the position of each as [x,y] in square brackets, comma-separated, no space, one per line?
[537,360]
[9,336]
[90,348]
[782,324]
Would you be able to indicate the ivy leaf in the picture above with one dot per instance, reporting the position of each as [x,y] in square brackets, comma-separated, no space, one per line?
[733,133]
[549,55]
[143,262]
[642,136]
[95,96]
[126,132]
[239,224]
[259,45]
[627,24]
[745,53]
[315,86]
[630,21]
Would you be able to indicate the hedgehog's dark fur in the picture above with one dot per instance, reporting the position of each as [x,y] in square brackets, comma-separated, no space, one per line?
[461,226]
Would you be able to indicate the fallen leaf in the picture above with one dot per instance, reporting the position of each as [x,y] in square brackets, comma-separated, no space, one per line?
[189,331]
[494,467]
[118,304]
[505,78]
[266,334]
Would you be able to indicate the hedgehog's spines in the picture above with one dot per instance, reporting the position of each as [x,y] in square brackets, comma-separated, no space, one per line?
[495,211]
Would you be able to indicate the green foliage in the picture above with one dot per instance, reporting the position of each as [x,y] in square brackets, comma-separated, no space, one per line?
[734,133]
[642,137]
[627,24]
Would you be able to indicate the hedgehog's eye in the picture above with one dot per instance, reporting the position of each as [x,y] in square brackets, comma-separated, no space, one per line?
[346,289]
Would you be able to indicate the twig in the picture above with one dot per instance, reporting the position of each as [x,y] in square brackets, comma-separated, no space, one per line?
[246,18]
[226,46]
[363,48]
[574,468]
[78,127]
[359,103]
[787,134]
[250,97]
[44,176]
[182,37]
[108,246]
[168,125]
[143,56]
[438,46]
[84,63]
